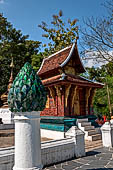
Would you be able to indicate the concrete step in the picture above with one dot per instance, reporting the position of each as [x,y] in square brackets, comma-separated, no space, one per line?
[94,137]
[87,128]
[7,126]
[91,132]
[91,145]
[82,120]
[83,124]
[7,133]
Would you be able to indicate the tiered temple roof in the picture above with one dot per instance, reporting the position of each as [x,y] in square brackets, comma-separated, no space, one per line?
[65,67]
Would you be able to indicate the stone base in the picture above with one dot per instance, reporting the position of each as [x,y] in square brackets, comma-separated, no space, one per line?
[55,127]
[55,123]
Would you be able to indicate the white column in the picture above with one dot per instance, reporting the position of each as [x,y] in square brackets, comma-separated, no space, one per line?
[107,134]
[27,141]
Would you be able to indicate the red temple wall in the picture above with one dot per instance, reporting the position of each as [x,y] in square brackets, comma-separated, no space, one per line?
[82,101]
[55,108]
[58,107]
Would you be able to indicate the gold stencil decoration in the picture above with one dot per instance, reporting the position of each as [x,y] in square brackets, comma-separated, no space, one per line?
[58,91]
[73,95]
[47,103]
[76,103]
[67,89]
[88,90]
[52,93]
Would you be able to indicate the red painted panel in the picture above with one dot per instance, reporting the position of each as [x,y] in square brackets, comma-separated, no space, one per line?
[54,110]
[82,102]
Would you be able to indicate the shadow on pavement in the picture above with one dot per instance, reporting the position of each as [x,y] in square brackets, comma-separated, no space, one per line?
[91,153]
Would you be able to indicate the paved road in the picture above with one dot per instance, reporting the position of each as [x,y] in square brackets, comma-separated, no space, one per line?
[98,159]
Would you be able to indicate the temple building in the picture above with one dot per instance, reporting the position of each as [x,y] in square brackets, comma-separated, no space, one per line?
[69,94]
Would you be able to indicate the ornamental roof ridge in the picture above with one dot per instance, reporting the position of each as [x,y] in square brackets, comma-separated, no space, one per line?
[73,79]
[92,81]
[67,59]
[58,52]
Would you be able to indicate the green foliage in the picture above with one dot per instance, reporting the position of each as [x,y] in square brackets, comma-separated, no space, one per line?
[59,34]
[14,44]
[96,74]
[103,75]
[27,92]
[101,103]
[37,60]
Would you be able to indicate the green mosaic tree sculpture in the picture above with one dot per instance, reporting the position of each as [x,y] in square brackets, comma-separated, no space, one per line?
[27,92]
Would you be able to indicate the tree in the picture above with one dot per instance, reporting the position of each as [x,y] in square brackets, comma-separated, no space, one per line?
[97,73]
[59,34]
[103,100]
[37,60]
[97,37]
[14,44]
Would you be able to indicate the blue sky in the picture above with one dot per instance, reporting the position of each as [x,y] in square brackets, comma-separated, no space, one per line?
[27,14]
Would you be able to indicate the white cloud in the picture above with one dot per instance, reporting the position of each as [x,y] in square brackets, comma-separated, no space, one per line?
[89,63]
[93,59]
[92,63]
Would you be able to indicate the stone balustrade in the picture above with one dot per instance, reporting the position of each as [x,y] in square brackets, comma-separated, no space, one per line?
[52,152]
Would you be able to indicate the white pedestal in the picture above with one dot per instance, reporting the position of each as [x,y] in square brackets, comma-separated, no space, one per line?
[107,134]
[78,136]
[27,141]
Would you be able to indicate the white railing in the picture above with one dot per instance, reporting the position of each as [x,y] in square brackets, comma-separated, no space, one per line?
[52,152]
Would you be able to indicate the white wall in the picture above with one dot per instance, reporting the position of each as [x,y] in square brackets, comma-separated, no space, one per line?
[56,151]
[52,134]
[52,152]
[6,158]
